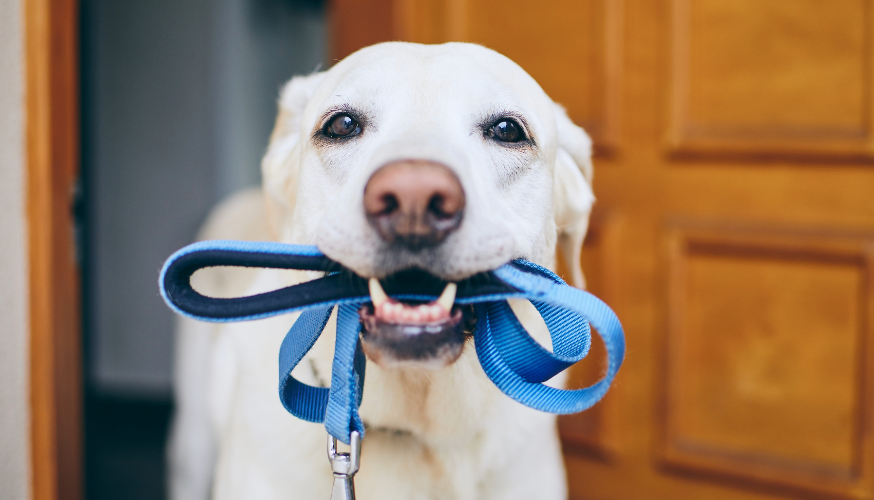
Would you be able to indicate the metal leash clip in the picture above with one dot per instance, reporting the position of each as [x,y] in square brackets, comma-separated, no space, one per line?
[344,465]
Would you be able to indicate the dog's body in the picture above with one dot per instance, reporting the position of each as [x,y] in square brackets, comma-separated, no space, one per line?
[432,433]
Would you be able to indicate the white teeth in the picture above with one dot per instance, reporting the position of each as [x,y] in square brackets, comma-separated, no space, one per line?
[393,311]
[447,298]
[377,294]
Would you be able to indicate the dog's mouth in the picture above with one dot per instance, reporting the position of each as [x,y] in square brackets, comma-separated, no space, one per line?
[414,332]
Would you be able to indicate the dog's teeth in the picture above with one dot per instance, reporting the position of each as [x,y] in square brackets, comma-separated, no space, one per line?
[447,298]
[383,309]
[391,312]
[377,294]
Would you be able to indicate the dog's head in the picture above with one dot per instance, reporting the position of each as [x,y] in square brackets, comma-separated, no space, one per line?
[409,161]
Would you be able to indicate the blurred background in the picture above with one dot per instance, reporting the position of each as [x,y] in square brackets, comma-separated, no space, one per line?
[733,233]
[178,100]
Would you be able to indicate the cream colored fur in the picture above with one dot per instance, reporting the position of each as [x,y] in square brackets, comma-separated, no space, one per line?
[432,434]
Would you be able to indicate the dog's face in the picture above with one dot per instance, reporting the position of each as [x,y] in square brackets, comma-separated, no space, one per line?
[424,162]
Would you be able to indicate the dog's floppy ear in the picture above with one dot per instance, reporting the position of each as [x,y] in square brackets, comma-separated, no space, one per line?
[573,196]
[280,167]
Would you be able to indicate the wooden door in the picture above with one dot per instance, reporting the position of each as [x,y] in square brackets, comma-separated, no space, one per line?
[733,233]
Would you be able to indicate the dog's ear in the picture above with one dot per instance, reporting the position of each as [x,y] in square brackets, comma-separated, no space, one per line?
[280,167]
[573,196]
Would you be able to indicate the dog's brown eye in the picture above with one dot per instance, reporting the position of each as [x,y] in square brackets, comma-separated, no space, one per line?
[506,130]
[342,126]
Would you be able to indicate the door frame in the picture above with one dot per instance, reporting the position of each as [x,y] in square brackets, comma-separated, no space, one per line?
[51,58]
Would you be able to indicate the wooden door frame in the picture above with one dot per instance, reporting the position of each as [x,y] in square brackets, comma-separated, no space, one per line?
[51,58]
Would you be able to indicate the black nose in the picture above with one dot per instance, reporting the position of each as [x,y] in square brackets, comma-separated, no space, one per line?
[414,203]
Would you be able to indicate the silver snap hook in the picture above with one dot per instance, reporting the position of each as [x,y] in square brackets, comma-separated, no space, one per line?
[344,466]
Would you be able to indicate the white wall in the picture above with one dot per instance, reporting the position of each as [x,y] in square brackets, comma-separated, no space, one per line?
[14,453]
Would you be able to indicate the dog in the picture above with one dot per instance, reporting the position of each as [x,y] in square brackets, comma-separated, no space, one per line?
[449,159]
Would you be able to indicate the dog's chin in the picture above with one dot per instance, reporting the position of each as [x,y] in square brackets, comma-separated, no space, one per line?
[428,344]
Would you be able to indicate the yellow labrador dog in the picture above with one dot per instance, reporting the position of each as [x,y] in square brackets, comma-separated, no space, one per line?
[445,158]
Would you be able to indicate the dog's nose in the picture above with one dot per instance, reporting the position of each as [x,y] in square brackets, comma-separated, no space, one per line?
[414,203]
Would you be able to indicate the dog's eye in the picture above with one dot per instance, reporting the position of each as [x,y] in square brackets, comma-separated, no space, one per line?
[342,126]
[506,130]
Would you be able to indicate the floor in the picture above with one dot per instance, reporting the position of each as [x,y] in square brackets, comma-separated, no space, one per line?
[125,448]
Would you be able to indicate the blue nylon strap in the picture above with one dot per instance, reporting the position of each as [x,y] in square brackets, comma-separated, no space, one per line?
[347,379]
[535,395]
[513,361]
[302,400]
[524,355]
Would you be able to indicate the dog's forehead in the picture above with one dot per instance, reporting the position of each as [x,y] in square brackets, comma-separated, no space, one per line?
[440,76]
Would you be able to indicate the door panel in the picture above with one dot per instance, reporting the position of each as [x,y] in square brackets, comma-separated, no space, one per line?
[733,233]
[772,76]
[763,373]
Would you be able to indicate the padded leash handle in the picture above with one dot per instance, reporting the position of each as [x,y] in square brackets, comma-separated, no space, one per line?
[511,359]
[339,286]
[176,289]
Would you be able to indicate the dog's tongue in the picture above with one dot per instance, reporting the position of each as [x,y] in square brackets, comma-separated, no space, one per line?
[392,311]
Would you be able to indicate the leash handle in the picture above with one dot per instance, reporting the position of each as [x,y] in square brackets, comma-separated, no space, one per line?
[338,286]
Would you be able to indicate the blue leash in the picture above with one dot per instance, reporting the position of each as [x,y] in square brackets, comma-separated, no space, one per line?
[513,361]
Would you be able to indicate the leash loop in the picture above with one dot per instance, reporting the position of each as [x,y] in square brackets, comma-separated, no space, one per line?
[510,358]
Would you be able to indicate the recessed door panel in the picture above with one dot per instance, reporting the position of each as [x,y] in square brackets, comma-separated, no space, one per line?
[763,363]
[751,75]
